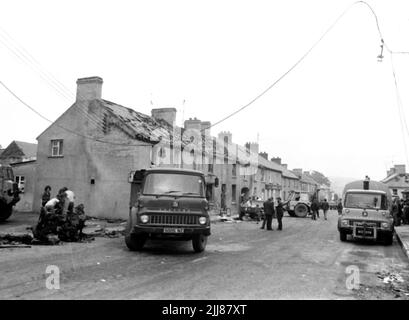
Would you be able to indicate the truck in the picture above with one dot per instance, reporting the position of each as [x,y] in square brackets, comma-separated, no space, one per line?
[297,204]
[167,204]
[367,212]
[9,192]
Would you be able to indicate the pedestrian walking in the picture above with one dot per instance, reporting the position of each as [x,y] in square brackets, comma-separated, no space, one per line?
[268,214]
[339,207]
[46,196]
[406,211]
[325,208]
[314,209]
[279,213]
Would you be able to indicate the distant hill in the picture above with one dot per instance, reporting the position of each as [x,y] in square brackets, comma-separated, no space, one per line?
[338,183]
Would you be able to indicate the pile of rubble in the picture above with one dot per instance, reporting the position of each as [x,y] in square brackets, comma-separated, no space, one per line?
[395,283]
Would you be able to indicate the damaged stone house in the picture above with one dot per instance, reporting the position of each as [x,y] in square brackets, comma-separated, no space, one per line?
[21,156]
[95,144]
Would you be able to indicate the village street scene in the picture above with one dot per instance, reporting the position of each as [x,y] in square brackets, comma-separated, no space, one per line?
[112,188]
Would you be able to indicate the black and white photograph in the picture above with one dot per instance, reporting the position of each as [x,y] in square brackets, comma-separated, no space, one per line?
[189,151]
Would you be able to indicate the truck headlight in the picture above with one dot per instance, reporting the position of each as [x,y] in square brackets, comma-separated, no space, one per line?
[345,222]
[385,225]
[144,218]
[202,220]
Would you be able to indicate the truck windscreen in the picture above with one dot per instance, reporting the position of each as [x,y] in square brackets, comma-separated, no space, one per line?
[365,201]
[173,184]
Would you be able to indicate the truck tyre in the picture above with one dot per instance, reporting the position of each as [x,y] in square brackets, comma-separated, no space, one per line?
[342,236]
[301,210]
[5,211]
[133,242]
[199,242]
[388,239]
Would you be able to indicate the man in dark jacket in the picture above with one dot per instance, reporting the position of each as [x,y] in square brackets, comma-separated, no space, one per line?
[314,209]
[325,208]
[279,213]
[268,214]
[339,207]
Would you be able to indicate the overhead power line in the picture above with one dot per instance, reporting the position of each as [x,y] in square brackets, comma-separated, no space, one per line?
[304,56]
[24,56]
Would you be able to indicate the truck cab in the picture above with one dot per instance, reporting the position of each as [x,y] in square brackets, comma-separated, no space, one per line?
[167,204]
[9,192]
[367,213]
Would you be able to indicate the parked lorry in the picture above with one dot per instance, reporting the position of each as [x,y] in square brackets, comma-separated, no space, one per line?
[298,204]
[367,212]
[9,192]
[167,204]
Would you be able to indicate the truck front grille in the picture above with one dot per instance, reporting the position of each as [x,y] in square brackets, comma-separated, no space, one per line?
[173,219]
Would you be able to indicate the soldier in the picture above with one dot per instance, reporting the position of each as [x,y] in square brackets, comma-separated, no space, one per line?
[406,211]
[396,211]
[279,213]
[46,196]
[268,214]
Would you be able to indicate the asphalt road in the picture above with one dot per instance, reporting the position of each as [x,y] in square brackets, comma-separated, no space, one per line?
[304,261]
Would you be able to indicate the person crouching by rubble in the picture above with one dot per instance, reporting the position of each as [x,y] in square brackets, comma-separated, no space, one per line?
[46,196]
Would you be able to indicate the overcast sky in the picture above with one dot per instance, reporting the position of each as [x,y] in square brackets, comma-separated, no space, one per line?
[336,112]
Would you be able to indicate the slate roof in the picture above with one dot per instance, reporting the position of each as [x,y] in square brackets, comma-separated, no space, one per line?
[20,149]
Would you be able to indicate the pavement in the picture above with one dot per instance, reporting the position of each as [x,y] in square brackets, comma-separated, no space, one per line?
[402,235]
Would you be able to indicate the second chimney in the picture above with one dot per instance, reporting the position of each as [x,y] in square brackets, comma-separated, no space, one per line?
[89,88]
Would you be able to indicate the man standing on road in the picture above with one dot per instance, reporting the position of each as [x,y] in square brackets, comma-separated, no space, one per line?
[325,208]
[339,207]
[279,213]
[314,209]
[268,214]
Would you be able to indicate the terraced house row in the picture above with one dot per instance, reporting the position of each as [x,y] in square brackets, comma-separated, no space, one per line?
[95,144]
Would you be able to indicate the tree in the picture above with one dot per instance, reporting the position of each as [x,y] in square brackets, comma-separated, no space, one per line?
[320,178]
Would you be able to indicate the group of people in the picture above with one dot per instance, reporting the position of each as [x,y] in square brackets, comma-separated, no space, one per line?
[64,196]
[272,211]
[400,211]
[324,205]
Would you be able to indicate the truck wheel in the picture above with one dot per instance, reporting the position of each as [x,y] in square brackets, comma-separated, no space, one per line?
[342,236]
[5,211]
[133,242]
[199,242]
[389,239]
[301,210]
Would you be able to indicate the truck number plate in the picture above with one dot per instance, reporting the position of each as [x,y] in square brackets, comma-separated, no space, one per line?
[173,230]
[364,232]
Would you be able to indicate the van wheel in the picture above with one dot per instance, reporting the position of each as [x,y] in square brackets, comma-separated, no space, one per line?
[389,239]
[342,236]
[199,242]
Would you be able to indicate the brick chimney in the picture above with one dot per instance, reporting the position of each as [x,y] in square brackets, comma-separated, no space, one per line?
[89,88]
[166,114]
[276,160]
[193,124]
[264,155]
[285,165]
[252,146]
[205,127]
[400,168]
